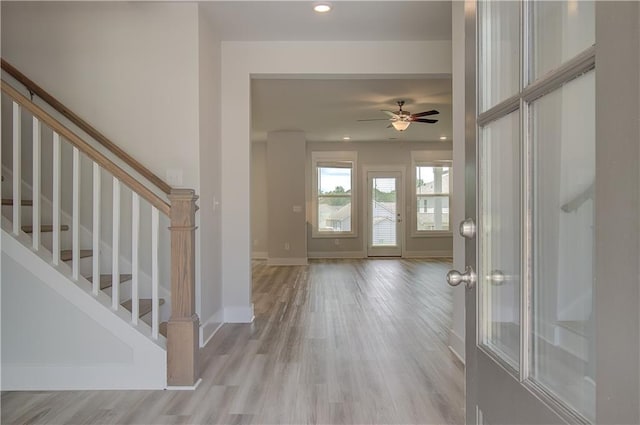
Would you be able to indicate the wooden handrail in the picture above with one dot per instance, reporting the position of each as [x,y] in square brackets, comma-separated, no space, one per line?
[82,124]
[88,150]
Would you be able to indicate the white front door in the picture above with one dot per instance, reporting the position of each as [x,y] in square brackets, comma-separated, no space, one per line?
[384,213]
[551,262]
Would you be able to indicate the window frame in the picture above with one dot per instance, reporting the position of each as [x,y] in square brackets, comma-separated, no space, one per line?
[338,157]
[415,163]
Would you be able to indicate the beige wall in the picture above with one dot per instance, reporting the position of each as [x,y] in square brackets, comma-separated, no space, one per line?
[369,153]
[259,223]
[387,154]
[287,244]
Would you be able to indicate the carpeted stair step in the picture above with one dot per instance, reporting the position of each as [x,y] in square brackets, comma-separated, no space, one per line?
[107,279]
[45,228]
[23,202]
[67,254]
[144,306]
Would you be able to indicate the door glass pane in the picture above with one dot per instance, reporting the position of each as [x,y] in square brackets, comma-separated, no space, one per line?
[383,212]
[499,57]
[564,178]
[499,267]
[561,30]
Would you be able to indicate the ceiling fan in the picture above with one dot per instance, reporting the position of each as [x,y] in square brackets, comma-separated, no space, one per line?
[400,119]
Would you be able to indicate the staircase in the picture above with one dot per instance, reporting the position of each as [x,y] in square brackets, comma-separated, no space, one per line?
[112,235]
[145,305]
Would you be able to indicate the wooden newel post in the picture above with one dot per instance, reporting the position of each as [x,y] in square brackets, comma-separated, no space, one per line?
[182,330]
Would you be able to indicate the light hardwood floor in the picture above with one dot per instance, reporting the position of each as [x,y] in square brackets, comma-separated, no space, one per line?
[335,342]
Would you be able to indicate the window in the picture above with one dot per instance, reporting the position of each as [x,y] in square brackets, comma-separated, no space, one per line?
[333,187]
[432,198]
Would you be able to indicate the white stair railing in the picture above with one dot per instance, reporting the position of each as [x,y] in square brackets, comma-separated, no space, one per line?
[61,140]
[182,328]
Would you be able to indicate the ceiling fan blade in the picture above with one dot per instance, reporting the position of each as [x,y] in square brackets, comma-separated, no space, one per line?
[390,113]
[424,120]
[377,119]
[389,126]
[424,114]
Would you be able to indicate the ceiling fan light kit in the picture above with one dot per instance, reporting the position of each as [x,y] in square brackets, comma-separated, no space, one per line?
[400,119]
[400,125]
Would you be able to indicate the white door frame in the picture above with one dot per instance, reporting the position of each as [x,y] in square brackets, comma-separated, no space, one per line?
[402,206]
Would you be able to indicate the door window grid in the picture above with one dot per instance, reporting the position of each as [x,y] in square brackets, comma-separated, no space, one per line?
[531,89]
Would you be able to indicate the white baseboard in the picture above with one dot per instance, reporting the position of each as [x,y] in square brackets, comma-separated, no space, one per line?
[336,254]
[185,387]
[209,328]
[238,314]
[428,254]
[259,255]
[456,345]
[294,261]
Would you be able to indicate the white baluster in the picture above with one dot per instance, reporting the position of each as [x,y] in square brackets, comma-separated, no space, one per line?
[135,234]
[55,248]
[17,175]
[96,228]
[36,184]
[75,219]
[155,301]
[115,246]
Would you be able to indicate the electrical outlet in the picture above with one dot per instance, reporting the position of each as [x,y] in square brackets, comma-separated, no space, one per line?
[336,241]
[287,247]
[255,242]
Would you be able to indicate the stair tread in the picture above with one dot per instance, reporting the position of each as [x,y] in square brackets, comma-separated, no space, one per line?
[23,202]
[44,228]
[67,254]
[144,305]
[106,279]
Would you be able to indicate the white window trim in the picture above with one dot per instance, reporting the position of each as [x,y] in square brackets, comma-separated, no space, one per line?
[429,159]
[334,156]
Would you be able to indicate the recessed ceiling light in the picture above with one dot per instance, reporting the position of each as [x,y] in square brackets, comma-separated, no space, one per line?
[443,137]
[346,138]
[322,7]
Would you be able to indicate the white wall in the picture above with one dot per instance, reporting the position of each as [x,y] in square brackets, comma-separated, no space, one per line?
[56,335]
[130,69]
[457,334]
[241,60]
[210,296]
[147,76]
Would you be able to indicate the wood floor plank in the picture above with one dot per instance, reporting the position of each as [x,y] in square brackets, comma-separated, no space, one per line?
[334,342]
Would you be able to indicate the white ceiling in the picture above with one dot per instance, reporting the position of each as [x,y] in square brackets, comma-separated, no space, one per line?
[348,21]
[328,110]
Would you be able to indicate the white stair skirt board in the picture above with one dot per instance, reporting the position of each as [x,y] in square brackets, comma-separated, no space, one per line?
[336,254]
[86,239]
[58,336]
[456,345]
[428,254]
[238,314]
[209,328]
[287,261]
